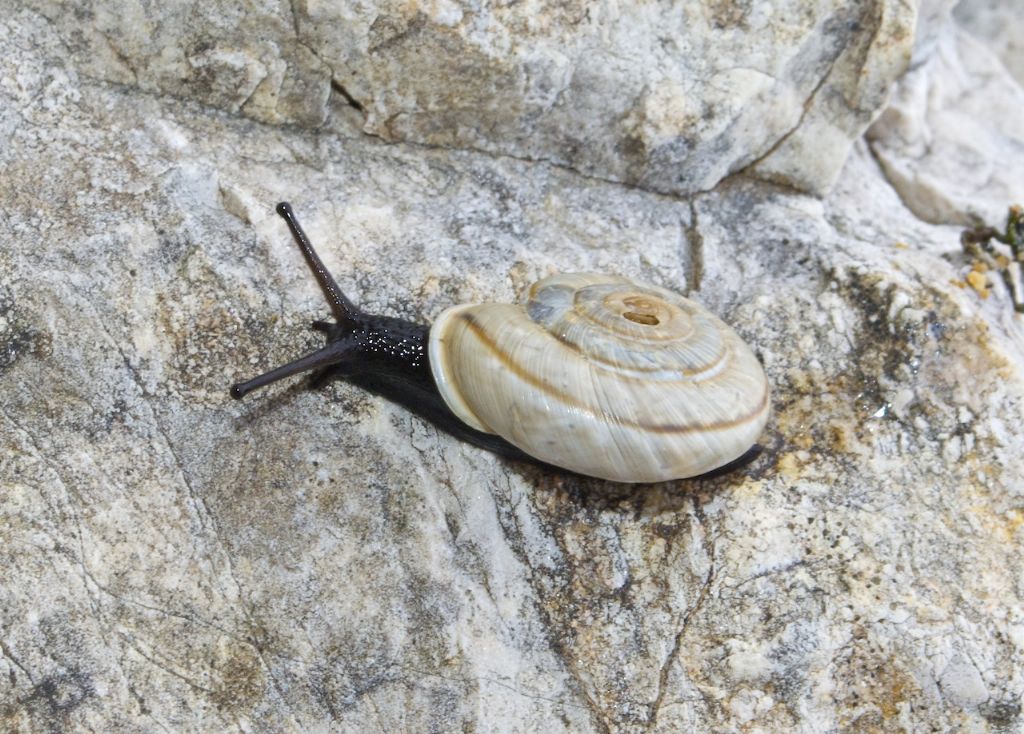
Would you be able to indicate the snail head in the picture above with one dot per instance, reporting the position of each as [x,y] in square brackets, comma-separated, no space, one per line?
[341,341]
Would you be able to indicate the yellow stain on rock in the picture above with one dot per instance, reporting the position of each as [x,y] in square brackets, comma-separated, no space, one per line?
[979,282]
[789,466]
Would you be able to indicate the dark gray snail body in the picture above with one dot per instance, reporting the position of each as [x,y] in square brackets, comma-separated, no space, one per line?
[595,374]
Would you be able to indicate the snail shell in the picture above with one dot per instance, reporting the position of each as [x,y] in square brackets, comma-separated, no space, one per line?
[603,376]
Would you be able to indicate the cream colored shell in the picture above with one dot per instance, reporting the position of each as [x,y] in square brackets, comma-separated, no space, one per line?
[605,377]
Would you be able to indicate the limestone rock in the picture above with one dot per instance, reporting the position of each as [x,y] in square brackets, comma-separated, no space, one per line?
[324,561]
[670,97]
[986,20]
[952,140]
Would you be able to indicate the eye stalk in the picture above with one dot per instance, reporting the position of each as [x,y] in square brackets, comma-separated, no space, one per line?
[334,353]
[342,308]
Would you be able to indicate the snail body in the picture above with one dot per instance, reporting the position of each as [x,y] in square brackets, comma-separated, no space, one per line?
[594,373]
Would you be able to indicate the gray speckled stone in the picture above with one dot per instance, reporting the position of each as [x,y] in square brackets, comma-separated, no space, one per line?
[952,140]
[986,20]
[324,561]
[672,97]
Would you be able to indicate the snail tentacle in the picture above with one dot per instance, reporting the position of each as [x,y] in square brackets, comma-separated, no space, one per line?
[343,309]
[334,354]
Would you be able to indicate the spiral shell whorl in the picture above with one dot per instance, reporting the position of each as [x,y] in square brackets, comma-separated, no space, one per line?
[603,376]
[637,329]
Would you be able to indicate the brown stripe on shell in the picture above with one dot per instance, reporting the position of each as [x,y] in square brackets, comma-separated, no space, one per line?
[579,316]
[594,358]
[529,378]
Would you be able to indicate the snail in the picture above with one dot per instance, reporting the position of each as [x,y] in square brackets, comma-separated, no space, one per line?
[595,374]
